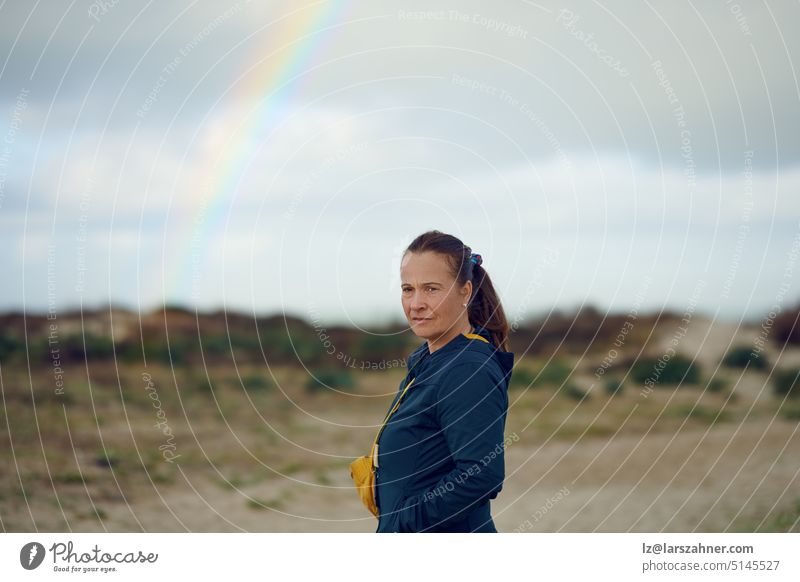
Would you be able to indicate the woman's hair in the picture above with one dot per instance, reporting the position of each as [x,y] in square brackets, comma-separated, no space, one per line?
[484,308]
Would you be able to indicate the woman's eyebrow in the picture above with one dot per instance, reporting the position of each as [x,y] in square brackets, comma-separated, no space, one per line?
[428,283]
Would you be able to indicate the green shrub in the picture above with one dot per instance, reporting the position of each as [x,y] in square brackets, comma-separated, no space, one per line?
[176,352]
[791,410]
[677,369]
[555,372]
[244,346]
[107,458]
[256,383]
[264,503]
[98,347]
[216,345]
[129,351]
[330,378]
[613,386]
[9,346]
[575,392]
[79,348]
[698,412]
[786,383]
[381,347]
[785,521]
[524,377]
[741,356]
[70,478]
[282,347]
[197,381]
[717,384]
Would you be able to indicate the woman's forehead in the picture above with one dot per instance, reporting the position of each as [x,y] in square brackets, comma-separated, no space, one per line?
[414,263]
[424,268]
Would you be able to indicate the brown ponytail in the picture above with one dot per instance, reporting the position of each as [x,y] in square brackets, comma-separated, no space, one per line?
[485,309]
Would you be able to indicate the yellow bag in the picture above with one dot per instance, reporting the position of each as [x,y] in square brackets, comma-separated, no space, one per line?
[362,470]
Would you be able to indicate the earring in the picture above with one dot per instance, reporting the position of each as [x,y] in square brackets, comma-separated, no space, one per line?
[464,304]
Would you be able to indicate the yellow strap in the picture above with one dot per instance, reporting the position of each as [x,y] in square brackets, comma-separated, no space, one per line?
[391,412]
[476,336]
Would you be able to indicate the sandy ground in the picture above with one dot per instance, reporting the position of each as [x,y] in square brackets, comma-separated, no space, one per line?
[692,481]
[675,476]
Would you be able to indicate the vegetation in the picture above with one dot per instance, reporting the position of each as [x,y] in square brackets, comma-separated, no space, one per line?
[791,410]
[554,373]
[256,383]
[575,392]
[676,370]
[742,356]
[522,377]
[717,384]
[325,379]
[704,413]
[786,383]
[613,386]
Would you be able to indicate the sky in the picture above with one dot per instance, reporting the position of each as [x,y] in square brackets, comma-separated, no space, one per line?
[274,157]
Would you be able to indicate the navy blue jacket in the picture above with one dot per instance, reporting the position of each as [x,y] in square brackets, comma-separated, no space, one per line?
[441,454]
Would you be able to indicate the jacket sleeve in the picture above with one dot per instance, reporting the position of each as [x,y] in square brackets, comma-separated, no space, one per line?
[471,406]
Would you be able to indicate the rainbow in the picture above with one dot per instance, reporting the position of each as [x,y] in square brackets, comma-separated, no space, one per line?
[292,42]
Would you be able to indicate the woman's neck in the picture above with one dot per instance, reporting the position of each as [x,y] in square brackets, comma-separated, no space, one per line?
[445,339]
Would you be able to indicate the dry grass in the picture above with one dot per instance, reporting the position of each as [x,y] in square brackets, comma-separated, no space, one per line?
[273,455]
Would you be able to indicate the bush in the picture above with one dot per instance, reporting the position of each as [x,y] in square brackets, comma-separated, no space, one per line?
[256,383]
[9,346]
[698,412]
[98,347]
[791,410]
[523,377]
[717,384]
[196,380]
[381,347]
[574,392]
[107,458]
[290,348]
[176,352]
[79,348]
[129,351]
[613,386]
[741,356]
[330,378]
[786,383]
[555,372]
[677,369]
[216,345]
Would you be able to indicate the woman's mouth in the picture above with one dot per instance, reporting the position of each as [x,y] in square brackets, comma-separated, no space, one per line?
[420,319]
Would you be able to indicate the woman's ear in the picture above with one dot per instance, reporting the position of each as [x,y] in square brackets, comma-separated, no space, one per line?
[467,292]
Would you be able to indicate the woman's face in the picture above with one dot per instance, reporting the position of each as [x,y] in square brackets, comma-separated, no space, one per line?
[433,304]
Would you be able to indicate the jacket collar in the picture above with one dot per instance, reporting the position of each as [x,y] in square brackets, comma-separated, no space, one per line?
[456,343]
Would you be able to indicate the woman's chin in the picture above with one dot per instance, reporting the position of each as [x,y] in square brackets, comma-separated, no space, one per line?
[421,328]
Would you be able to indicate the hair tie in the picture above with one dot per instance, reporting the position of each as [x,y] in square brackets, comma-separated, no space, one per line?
[476,258]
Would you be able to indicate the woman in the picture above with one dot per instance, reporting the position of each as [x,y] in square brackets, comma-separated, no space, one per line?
[440,456]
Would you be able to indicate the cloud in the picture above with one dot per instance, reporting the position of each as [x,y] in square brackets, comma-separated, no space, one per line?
[342,128]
